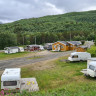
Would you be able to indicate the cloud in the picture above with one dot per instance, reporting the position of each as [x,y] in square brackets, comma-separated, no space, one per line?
[89,8]
[11,10]
[51,8]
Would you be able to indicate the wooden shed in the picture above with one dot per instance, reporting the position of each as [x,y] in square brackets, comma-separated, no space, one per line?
[73,44]
[60,46]
[81,49]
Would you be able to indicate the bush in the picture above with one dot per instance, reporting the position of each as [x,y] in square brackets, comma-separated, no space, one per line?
[92,51]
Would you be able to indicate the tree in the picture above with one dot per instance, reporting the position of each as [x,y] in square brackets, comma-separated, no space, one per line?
[7,39]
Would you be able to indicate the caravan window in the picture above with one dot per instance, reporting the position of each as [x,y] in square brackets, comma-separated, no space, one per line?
[91,67]
[75,56]
[10,83]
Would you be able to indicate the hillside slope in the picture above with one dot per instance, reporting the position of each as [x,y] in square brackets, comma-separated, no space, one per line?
[58,27]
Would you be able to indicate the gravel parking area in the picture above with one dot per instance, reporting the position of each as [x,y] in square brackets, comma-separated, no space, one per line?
[44,55]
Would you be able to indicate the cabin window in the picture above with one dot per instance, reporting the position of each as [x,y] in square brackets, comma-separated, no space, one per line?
[91,67]
[54,46]
[10,83]
[71,45]
[75,56]
[61,46]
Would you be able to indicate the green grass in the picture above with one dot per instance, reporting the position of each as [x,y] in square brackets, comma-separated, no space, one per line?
[4,56]
[65,79]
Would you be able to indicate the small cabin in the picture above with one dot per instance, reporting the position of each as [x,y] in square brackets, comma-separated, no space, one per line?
[81,49]
[10,78]
[34,47]
[60,46]
[73,44]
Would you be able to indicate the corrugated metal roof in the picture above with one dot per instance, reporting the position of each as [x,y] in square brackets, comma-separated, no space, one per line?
[63,42]
[74,42]
[83,47]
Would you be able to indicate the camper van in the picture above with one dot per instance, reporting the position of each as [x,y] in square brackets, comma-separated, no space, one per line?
[91,68]
[79,56]
[10,79]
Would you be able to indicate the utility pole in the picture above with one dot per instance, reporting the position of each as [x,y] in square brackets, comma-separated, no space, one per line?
[70,36]
[23,40]
[35,40]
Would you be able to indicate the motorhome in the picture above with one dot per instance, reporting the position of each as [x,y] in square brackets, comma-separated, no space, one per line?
[91,68]
[79,56]
[10,79]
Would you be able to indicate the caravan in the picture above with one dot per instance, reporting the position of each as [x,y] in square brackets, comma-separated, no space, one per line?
[91,68]
[10,79]
[10,50]
[79,56]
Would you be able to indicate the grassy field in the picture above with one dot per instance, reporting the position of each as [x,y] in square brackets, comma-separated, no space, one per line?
[4,56]
[62,79]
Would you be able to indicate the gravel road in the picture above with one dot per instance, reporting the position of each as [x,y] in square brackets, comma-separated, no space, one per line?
[26,60]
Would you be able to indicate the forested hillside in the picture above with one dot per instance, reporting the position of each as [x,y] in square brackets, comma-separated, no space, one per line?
[81,26]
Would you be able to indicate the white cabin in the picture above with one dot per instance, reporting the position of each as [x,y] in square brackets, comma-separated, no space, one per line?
[79,56]
[91,68]
[10,78]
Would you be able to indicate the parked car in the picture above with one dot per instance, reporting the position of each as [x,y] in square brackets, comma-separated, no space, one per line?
[91,68]
[79,56]
[10,79]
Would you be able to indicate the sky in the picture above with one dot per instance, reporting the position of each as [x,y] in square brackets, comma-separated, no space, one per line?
[12,10]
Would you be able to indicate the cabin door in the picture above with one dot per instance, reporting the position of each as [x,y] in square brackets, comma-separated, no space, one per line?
[57,48]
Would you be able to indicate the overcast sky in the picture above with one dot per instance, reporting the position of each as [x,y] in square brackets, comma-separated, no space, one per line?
[12,10]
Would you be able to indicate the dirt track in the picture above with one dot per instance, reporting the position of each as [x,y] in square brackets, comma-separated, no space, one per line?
[43,56]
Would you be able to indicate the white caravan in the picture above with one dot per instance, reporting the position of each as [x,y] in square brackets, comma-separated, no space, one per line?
[21,49]
[10,50]
[10,79]
[91,68]
[41,47]
[79,56]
